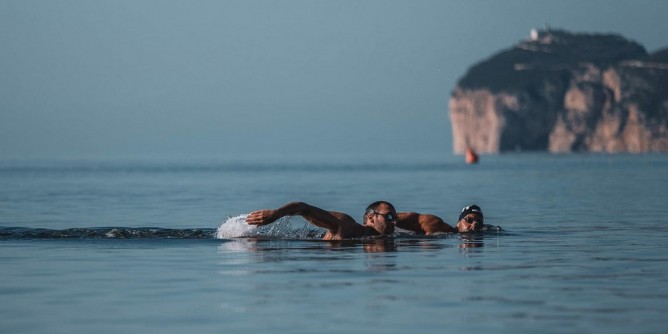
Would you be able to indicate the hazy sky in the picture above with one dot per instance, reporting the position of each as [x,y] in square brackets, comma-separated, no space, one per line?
[134,78]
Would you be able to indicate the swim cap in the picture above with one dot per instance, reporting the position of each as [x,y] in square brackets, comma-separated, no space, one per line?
[471,209]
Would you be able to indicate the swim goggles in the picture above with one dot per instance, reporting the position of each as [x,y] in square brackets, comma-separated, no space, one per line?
[388,216]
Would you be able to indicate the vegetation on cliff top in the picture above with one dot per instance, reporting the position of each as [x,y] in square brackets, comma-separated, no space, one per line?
[550,55]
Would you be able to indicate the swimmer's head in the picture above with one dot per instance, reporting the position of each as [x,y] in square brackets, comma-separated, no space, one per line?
[470,219]
[381,216]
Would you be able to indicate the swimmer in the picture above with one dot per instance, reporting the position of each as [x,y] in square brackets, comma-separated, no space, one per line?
[470,220]
[379,218]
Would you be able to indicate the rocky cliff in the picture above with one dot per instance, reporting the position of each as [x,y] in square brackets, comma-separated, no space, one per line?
[563,92]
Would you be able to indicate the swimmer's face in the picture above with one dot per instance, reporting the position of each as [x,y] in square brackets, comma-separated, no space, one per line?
[472,222]
[382,219]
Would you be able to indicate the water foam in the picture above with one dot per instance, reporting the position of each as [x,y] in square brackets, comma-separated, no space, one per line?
[235,227]
[284,228]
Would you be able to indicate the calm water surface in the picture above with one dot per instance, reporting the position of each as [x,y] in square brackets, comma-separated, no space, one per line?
[583,248]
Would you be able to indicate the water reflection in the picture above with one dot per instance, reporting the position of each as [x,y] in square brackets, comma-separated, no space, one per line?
[470,241]
[467,242]
[427,244]
[262,256]
[383,245]
[278,256]
[258,245]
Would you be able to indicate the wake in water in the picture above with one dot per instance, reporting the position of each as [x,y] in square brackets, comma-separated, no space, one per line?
[234,227]
[106,233]
[288,228]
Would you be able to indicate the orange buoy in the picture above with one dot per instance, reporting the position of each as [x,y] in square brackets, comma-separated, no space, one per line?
[471,156]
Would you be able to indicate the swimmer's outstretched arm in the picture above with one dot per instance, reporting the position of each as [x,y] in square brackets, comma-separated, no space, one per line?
[422,223]
[330,220]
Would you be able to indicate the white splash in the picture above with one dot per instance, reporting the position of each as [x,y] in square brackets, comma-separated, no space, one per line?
[236,227]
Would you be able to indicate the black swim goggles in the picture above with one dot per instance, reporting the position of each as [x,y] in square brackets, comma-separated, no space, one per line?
[388,216]
[472,220]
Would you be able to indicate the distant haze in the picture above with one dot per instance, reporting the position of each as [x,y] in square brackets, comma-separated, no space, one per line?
[128,78]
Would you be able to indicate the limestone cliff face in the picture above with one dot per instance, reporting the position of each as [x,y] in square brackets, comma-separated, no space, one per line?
[564,92]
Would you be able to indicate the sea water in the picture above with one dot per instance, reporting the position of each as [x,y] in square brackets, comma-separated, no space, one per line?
[160,246]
